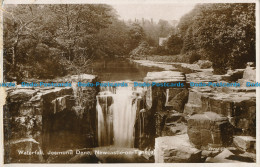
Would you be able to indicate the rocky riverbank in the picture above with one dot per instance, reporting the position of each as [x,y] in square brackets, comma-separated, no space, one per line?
[205,124]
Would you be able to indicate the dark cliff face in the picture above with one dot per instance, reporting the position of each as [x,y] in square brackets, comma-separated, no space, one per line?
[48,120]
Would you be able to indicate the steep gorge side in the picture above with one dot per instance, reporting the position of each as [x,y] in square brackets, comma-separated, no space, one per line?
[216,124]
[36,119]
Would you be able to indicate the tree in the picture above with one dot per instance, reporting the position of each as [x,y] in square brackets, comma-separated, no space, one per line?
[142,50]
[226,32]
[66,32]
[164,28]
[174,44]
[113,39]
[135,36]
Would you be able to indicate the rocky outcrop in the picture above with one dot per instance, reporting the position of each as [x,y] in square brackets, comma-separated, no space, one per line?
[45,115]
[214,114]
[26,150]
[231,155]
[245,143]
[209,128]
[161,99]
[236,103]
[176,98]
[174,149]
[249,75]
[203,64]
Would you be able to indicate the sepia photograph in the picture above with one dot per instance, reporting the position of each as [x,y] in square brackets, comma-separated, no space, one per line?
[144,82]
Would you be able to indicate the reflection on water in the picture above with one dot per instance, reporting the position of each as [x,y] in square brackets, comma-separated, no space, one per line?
[120,69]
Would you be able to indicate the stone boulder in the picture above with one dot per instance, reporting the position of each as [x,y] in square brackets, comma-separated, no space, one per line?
[209,128]
[165,76]
[171,129]
[26,150]
[21,94]
[230,156]
[176,98]
[174,149]
[203,64]
[250,74]
[245,143]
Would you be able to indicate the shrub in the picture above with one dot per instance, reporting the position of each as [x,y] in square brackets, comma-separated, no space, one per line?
[193,56]
[142,49]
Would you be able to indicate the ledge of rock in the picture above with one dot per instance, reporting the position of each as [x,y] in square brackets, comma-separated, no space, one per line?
[245,143]
[209,128]
[165,76]
[231,156]
[171,149]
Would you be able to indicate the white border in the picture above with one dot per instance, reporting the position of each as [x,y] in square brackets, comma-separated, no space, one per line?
[122,1]
[142,2]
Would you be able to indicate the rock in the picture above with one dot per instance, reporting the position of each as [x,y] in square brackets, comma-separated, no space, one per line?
[61,103]
[149,63]
[26,109]
[222,157]
[176,98]
[250,74]
[148,98]
[194,104]
[165,76]
[209,128]
[245,143]
[21,94]
[209,153]
[235,74]
[176,117]
[173,149]
[204,64]
[249,156]
[191,109]
[79,111]
[19,151]
[195,98]
[171,129]
[234,103]
[227,156]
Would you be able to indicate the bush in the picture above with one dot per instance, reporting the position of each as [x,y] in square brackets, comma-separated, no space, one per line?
[174,44]
[193,57]
[142,49]
[159,50]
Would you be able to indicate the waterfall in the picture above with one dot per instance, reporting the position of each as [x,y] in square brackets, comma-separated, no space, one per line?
[116,110]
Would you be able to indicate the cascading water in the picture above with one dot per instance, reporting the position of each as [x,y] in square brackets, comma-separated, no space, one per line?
[116,110]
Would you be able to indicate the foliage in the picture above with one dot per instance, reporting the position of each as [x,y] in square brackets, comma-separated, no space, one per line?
[174,44]
[51,40]
[142,49]
[226,32]
[113,40]
[193,56]
[154,30]
[135,36]
[160,50]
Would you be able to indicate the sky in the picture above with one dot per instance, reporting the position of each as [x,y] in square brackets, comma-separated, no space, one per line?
[155,11]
